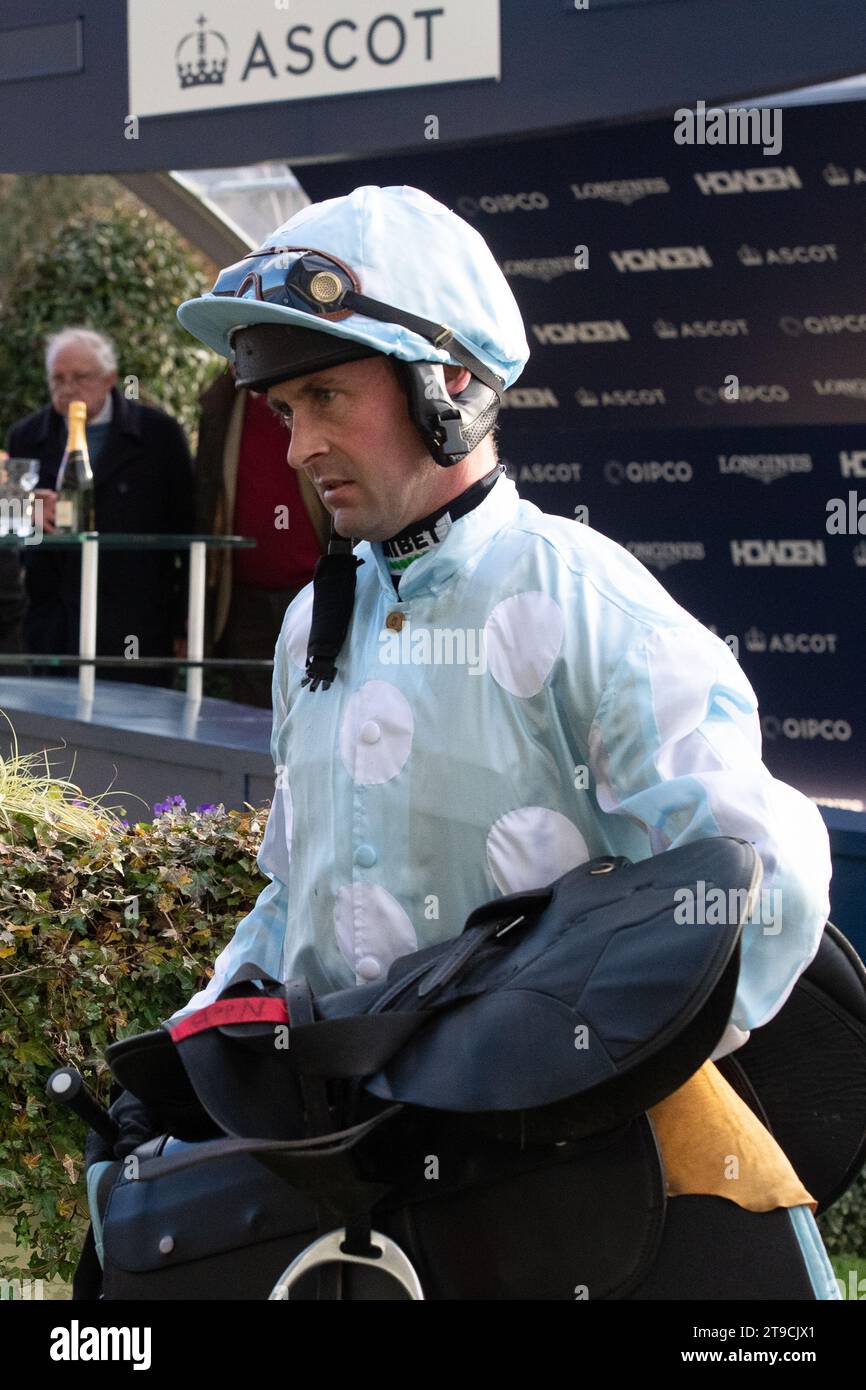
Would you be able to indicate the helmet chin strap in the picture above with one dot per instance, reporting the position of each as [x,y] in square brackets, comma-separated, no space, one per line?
[451,426]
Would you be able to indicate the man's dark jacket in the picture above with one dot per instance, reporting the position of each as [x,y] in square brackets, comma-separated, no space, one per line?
[143,484]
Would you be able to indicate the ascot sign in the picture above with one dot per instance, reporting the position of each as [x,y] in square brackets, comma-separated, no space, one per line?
[184,59]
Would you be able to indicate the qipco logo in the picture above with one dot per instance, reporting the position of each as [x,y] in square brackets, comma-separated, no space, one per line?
[831,730]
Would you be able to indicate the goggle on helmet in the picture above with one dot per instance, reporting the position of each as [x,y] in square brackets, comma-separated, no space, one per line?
[318,283]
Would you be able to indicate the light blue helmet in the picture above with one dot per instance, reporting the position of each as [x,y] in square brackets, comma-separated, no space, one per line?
[380,270]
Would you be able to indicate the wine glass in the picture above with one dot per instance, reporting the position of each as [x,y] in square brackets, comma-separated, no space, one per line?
[18,479]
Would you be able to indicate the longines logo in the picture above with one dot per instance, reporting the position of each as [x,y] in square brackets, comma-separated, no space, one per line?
[648,471]
[502,202]
[818,253]
[852,386]
[201,58]
[530,398]
[765,468]
[544,268]
[661,555]
[625,191]
[588,331]
[662,258]
[634,396]
[702,328]
[775,179]
[790,554]
[818,643]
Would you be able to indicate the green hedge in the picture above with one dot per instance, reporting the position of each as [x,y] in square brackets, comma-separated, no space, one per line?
[79,968]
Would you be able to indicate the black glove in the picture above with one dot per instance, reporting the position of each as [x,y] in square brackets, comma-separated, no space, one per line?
[136,1123]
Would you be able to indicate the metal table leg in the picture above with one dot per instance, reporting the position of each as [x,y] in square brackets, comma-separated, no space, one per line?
[87,620]
[195,618]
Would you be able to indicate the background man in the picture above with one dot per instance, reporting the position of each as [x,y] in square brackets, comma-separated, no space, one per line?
[143,485]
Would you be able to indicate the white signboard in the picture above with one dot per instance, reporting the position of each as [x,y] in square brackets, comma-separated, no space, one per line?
[186,57]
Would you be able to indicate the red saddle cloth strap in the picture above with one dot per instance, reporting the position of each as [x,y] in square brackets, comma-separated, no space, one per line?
[226,1012]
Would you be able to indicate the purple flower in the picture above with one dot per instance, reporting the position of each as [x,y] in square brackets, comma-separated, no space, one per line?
[205,808]
[168,805]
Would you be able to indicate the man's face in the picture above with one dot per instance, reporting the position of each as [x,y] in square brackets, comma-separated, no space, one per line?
[76,375]
[352,436]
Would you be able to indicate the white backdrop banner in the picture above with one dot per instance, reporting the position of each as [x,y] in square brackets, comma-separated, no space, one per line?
[182,58]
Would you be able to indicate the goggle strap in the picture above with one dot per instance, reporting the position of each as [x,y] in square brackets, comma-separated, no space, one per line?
[439,334]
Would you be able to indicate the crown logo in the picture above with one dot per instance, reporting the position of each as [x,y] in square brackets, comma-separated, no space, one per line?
[755,641]
[836,176]
[860,555]
[663,329]
[194,67]
[584,396]
[749,255]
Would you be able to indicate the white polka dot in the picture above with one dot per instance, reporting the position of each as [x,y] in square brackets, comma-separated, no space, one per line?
[275,854]
[296,633]
[523,636]
[379,704]
[532,846]
[370,926]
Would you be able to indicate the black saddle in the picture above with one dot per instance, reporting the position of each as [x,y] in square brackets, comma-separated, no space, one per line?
[523,1054]
[588,991]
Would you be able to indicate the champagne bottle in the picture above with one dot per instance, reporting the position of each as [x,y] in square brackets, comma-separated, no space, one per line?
[75,504]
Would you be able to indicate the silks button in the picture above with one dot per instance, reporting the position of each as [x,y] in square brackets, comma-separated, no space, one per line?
[365,856]
[370,732]
[395,620]
[369,968]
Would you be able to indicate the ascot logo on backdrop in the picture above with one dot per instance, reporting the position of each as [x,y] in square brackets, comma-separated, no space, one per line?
[837,177]
[777,179]
[789,255]
[180,59]
[812,643]
[702,328]
[620,397]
